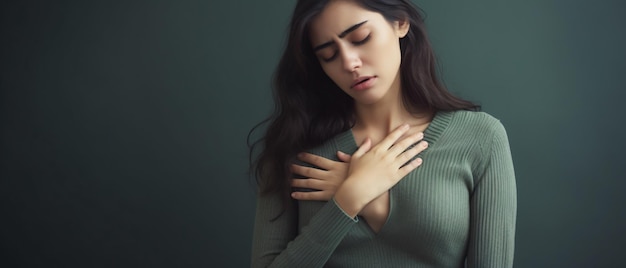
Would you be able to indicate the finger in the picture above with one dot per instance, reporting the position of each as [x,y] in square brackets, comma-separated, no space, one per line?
[365,147]
[308,172]
[317,196]
[412,152]
[309,183]
[388,141]
[316,160]
[405,143]
[410,166]
[344,157]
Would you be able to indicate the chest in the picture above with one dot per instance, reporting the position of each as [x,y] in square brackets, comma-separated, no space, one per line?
[429,209]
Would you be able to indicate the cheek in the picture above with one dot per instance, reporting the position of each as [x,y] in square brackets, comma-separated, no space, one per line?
[333,72]
[387,53]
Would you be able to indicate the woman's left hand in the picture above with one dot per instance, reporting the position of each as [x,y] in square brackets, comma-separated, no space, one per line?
[325,180]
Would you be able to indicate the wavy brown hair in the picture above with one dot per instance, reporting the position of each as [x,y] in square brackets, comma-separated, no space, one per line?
[310,108]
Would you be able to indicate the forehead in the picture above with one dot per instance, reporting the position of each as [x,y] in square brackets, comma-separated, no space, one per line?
[339,15]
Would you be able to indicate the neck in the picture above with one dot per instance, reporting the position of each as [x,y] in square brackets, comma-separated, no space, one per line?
[382,117]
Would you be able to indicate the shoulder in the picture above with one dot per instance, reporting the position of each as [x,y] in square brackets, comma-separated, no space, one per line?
[342,141]
[477,130]
[482,119]
[483,134]
[483,129]
[478,125]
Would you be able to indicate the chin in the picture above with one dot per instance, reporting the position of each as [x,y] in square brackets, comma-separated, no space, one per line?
[368,99]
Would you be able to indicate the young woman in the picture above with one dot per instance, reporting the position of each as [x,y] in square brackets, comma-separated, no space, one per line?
[432,182]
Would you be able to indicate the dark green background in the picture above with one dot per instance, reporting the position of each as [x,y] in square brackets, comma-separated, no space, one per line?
[123,124]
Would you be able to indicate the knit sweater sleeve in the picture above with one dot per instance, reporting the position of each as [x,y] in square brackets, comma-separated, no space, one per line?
[493,206]
[277,243]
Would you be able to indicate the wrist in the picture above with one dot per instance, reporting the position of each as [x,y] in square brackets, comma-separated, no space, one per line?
[348,200]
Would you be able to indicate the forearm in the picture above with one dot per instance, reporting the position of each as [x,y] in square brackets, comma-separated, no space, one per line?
[276,243]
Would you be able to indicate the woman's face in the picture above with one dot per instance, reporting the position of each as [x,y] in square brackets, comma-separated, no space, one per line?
[358,49]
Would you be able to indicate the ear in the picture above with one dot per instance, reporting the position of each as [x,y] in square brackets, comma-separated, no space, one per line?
[402,27]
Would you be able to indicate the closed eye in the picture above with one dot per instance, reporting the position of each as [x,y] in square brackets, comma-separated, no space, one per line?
[331,58]
[358,43]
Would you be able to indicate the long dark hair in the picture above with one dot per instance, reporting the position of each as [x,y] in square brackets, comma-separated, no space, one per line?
[310,108]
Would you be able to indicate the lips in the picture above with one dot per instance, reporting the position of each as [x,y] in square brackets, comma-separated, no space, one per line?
[360,80]
[363,82]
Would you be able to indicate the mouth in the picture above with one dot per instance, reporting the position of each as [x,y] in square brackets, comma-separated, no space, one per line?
[361,80]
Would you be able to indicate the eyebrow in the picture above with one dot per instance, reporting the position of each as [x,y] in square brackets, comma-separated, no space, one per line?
[341,35]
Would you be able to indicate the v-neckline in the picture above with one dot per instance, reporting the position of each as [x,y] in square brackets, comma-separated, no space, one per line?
[368,228]
[346,143]
[432,132]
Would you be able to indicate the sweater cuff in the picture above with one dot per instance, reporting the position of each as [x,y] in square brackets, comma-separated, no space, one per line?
[355,219]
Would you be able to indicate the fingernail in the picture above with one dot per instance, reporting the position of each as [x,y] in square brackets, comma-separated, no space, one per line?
[420,135]
[425,144]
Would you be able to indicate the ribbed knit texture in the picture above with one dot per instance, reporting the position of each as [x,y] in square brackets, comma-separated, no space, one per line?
[457,209]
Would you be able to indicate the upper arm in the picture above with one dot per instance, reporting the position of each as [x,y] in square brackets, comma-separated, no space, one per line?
[493,206]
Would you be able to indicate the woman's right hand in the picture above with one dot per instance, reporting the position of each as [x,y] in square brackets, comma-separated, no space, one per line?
[374,170]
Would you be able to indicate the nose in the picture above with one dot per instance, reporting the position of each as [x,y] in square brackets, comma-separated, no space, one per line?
[350,58]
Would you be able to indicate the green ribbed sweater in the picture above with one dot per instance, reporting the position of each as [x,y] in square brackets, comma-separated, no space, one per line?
[457,209]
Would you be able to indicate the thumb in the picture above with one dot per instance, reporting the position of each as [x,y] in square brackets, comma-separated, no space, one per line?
[344,157]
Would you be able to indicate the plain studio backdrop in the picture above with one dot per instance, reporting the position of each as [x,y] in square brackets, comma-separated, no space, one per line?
[123,124]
